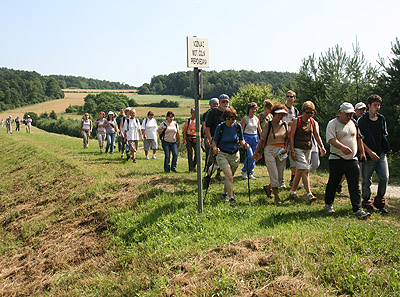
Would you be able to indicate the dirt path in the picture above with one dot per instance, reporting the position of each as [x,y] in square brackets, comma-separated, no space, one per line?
[392,192]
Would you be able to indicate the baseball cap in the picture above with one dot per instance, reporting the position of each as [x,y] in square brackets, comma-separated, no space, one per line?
[223,96]
[110,113]
[360,105]
[213,100]
[346,107]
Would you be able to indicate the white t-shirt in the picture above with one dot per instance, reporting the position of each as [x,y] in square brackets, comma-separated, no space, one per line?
[132,126]
[345,134]
[150,128]
[314,147]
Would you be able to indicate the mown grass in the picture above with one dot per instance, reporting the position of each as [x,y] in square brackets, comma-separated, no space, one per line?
[94,225]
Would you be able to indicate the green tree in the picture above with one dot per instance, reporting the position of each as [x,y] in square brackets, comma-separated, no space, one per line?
[53,115]
[389,89]
[251,93]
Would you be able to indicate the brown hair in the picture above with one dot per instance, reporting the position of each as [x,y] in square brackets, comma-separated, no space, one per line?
[250,106]
[374,98]
[308,105]
[278,106]
[291,93]
[268,104]
[228,113]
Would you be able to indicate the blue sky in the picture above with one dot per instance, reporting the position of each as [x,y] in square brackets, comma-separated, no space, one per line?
[130,41]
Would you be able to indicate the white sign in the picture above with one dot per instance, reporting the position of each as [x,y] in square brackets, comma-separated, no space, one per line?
[197,52]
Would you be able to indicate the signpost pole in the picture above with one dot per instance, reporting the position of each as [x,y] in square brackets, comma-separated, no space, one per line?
[197,97]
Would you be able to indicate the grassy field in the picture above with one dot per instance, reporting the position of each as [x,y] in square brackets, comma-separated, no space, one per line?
[77,223]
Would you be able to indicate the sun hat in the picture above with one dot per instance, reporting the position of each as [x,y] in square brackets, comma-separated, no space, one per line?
[346,107]
[360,105]
[213,100]
[110,113]
[280,111]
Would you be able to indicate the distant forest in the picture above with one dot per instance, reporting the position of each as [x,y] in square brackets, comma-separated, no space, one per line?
[216,83]
[19,88]
[79,82]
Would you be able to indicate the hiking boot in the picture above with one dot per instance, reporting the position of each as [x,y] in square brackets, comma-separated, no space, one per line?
[206,182]
[311,197]
[277,200]
[224,196]
[134,160]
[329,208]
[232,201]
[383,210]
[251,176]
[244,175]
[361,215]
[368,206]
[339,189]
[128,157]
[268,190]
[379,202]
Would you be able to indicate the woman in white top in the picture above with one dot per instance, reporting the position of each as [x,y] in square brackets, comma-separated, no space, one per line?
[149,132]
[101,131]
[85,130]
[132,132]
[251,130]
[169,134]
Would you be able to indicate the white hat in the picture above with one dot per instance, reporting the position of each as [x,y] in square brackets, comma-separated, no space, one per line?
[346,107]
[10,116]
[360,105]
[280,111]
[110,113]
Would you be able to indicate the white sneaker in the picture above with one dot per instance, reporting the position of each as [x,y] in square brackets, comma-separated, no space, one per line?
[244,175]
[329,208]
[147,158]
[154,157]
[122,156]
[252,176]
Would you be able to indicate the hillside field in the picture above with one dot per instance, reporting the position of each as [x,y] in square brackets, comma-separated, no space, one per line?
[75,222]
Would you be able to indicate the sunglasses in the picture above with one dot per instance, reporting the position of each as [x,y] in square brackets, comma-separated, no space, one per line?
[289,96]
[224,101]
[231,119]
[309,112]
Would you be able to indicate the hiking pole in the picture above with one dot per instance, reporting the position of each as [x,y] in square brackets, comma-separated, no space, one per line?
[248,175]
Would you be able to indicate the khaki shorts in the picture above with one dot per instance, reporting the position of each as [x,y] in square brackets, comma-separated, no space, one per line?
[133,145]
[150,144]
[303,159]
[231,161]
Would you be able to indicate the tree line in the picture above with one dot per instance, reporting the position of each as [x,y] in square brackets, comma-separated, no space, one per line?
[19,88]
[79,82]
[215,83]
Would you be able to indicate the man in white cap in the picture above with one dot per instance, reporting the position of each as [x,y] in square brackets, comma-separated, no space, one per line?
[360,109]
[28,123]
[344,139]
[9,122]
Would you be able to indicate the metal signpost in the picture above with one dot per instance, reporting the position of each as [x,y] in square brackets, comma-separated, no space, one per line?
[197,57]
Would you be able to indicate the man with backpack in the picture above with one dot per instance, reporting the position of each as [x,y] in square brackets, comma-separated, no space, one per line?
[214,118]
[189,139]
[344,139]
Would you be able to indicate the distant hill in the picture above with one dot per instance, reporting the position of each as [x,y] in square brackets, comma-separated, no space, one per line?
[216,83]
[19,88]
[79,82]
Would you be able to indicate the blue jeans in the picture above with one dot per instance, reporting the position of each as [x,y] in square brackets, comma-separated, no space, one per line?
[110,142]
[252,140]
[120,144]
[382,171]
[169,147]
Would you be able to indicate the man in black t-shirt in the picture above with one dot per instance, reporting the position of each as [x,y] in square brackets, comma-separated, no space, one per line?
[214,102]
[373,128]
[120,118]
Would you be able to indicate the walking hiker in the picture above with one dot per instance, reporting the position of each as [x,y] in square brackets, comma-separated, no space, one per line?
[266,115]
[28,123]
[149,132]
[17,123]
[274,143]
[132,133]
[169,135]
[122,115]
[101,130]
[85,130]
[111,130]
[293,113]
[189,139]
[9,122]
[214,102]
[374,131]
[344,139]
[251,129]
[214,118]
[303,128]
[227,140]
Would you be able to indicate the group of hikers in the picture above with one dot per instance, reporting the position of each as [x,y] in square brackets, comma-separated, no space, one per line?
[8,122]
[357,138]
